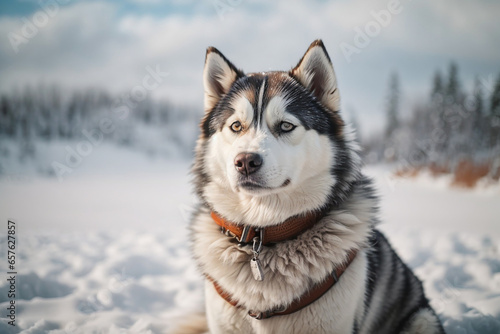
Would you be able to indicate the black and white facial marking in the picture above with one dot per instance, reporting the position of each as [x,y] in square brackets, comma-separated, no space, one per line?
[272,144]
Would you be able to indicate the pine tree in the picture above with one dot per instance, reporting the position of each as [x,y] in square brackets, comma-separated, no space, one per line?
[494,116]
[478,97]
[451,120]
[436,110]
[437,86]
[392,106]
[55,100]
[6,115]
[453,85]
[495,99]
[476,129]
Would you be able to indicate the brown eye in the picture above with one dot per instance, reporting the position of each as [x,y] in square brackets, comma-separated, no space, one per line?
[236,127]
[286,127]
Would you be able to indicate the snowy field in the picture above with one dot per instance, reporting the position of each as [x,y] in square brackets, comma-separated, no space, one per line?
[106,249]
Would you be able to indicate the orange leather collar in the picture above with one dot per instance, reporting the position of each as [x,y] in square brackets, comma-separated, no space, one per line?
[288,229]
[306,299]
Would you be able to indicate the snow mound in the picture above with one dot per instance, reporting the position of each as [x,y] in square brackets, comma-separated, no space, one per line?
[31,286]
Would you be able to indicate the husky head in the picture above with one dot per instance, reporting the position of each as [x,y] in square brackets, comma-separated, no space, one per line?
[272,144]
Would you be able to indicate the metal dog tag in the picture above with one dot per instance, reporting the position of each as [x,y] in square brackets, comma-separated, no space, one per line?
[256,267]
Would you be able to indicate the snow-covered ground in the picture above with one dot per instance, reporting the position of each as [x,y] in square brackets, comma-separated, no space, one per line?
[106,249]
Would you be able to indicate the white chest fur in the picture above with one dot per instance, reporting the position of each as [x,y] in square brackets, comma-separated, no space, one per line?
[290,268]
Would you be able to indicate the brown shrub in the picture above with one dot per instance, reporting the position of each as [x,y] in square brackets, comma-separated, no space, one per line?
[437,170]
[467,173]
[407,172]
[495,174]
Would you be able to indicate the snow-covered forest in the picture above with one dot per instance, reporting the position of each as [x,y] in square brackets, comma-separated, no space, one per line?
[36,120]
[452,131]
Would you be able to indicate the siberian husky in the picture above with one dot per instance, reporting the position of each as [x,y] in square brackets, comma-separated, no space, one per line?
[278,173]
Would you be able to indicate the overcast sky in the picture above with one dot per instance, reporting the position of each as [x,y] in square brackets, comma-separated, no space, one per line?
[109,44]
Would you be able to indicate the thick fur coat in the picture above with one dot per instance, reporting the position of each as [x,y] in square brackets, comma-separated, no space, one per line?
[304,159]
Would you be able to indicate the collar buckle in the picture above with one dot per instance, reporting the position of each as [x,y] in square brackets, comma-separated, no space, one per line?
[244,235]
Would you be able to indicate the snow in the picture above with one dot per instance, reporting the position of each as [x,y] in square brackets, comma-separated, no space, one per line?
[106,249]
[433,203]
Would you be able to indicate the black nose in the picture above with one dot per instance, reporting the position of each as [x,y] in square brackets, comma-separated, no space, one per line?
[247,163]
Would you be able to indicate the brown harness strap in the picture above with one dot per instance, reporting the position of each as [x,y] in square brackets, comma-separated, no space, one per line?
[225,295]
[306,299]
[289,229]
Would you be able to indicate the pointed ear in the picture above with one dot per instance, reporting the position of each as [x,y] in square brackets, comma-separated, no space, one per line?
[315,72]
[218,76]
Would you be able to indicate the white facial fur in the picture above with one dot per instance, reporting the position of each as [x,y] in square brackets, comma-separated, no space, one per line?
[295,170]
